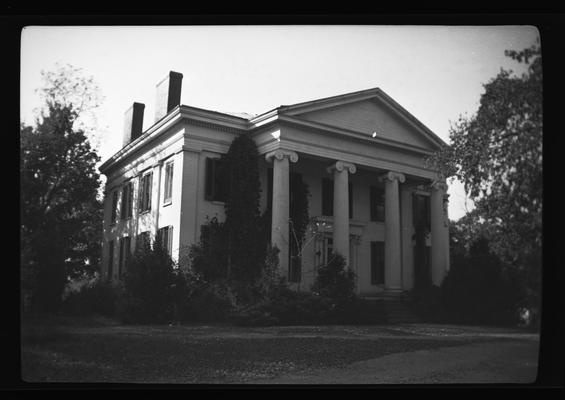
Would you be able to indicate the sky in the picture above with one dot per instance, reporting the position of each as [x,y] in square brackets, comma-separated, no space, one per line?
[437,73]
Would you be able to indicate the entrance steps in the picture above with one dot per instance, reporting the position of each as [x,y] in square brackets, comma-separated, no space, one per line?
[396,306]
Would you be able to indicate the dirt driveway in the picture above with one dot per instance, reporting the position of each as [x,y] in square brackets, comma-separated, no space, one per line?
[478,363]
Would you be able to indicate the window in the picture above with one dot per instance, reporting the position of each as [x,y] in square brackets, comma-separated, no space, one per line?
[422,212]
[165,238]
[145,186]
[377,263]
[114,216]
[143,240]
[127,192]
[125,249]
[377,204]
[328,197]
[217,185]
[168,194]
[110,258]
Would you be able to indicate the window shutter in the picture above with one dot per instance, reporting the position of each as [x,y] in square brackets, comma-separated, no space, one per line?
[148,191]
[114,207]
[168,182]
[170,240]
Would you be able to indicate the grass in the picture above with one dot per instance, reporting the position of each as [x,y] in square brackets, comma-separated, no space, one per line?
[100,350]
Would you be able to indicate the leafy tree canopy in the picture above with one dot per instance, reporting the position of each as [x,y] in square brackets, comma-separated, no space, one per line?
[67,86]
[497,154]
[59,205]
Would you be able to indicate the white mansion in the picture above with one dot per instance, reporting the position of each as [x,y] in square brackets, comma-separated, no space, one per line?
[361,155]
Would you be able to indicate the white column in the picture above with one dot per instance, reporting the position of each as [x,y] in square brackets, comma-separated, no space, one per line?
[393,256]
[406,218]
[439,238]
[281,204]
[341,172]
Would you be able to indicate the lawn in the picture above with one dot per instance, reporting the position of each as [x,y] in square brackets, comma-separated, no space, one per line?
[64,349]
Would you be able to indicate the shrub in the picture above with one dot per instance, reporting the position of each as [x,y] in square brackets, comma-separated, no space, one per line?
[477,290]
[335,280]
[95,297]
[209,257]
[209,302]
[149,287]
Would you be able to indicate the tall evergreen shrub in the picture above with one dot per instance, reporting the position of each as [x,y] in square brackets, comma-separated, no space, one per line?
[246,250]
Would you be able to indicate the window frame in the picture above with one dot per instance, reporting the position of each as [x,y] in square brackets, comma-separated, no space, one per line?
[125,253]
[114,208]
[165,234]
[127,201]
[145,192]
[328,198]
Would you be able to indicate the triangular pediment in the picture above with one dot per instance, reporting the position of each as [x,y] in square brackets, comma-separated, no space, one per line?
[368,115]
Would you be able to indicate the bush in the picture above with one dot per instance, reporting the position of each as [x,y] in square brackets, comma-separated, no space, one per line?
[335,280]
[476,289]
[150,287]
[209,302]
[96,297]
[332,301]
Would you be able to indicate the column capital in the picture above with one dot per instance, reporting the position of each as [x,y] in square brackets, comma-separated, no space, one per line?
[439,185]
[279,154]
[392,176]
[341,165]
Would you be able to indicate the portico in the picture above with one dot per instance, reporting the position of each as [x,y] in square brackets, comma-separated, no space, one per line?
[348,234]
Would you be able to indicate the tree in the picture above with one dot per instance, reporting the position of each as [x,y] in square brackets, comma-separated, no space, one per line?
[497,154]
[67,86]
[61,221]
[245,243]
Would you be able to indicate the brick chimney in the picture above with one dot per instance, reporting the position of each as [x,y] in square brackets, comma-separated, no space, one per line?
[168,94]
[133,123]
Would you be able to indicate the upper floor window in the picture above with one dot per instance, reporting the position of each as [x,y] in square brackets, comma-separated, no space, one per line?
[328,197]
[145,186]
[114,216]
[168,193]
[377,204]
[216,180]
[127,201]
